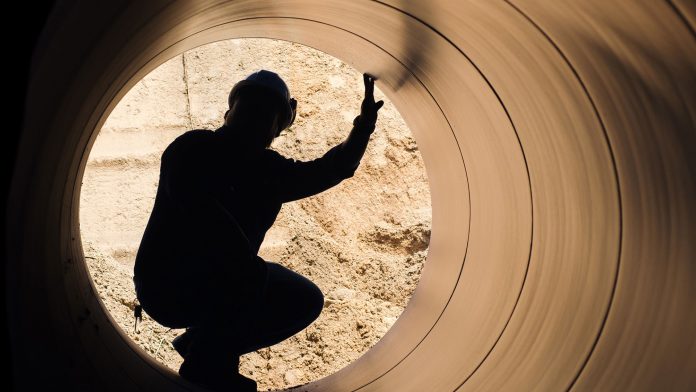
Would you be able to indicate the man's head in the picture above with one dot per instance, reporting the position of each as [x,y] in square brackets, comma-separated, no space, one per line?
[261,105]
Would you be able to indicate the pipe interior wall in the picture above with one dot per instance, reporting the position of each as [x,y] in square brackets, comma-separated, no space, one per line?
[560,146]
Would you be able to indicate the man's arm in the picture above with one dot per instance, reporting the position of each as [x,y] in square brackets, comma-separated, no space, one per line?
[290,180]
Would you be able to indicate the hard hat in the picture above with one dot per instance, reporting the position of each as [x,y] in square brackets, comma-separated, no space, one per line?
[271,82]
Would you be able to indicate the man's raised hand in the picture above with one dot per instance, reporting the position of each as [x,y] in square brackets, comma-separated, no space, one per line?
[369,108]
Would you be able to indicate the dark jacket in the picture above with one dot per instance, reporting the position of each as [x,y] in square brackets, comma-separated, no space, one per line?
[215,201]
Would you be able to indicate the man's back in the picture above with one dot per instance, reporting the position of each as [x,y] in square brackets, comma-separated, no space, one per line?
[191,231]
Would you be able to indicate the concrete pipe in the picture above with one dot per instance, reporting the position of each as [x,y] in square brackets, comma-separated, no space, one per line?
[560,144]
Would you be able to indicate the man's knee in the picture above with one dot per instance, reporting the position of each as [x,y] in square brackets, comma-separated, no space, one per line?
[315,301]
[296,292]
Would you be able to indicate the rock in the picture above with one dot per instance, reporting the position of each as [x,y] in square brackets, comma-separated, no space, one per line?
[293,376]
[340,294]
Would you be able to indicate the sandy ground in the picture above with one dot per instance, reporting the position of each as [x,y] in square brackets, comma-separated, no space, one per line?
[363,242]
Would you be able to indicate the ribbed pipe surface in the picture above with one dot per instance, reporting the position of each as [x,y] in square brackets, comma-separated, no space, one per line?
[560,144]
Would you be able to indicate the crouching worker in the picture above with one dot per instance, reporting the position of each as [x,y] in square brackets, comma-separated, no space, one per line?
[219,192]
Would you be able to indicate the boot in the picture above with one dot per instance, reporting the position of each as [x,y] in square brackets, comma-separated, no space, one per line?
[182,342]
[213,376]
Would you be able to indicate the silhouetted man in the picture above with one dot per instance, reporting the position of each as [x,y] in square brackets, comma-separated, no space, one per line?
[219,192]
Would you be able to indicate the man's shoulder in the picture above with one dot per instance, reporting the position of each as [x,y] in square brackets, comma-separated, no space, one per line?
[195,136]
[274,159]
[190,141]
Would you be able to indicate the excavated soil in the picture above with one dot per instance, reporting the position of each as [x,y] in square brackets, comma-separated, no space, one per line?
[363,242]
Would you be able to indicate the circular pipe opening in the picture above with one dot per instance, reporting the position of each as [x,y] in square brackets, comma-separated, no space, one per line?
[363,242]
[446,163]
